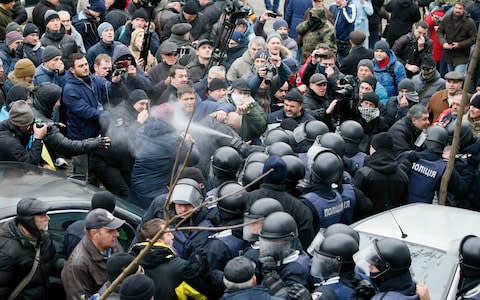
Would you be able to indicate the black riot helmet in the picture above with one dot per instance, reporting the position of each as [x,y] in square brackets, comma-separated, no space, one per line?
[391,257]
[333,141]
[309,131]
[27,209]
[259,210]
[437,137]
[187,191]
[226,162]
[352,132]
[334,256]
[280,149]
[342,228]
[252,171]
[233,203]
[327,167]
[466,135]
[256,156]
[295,169]
[277,235]
[469,252]
[278,135]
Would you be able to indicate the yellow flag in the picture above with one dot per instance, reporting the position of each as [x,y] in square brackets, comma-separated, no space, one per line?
[47,158]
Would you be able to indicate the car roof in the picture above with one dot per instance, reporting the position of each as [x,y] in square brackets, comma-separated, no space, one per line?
[20,180]
[434,226]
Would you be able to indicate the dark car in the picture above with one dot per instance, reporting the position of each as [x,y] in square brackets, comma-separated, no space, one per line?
[68,198]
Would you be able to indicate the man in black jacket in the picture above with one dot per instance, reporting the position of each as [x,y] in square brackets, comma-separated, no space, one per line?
[381,179]
[15,135]
[357,53]
[20,239]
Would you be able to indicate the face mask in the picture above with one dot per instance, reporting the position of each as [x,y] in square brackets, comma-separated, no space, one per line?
[237,99]
[368,114]
[284,36]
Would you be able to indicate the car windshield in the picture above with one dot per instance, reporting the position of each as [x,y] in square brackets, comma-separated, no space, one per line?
[430,266]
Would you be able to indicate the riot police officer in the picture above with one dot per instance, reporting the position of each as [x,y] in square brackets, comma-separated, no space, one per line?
[226,162]
[353,134]
[295,173]
[282,271]
[333,267]
[306,133]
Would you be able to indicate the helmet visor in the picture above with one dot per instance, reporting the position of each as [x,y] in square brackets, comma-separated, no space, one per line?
[370,261]
[316,242]
[251,232]
[278,249]
[324,266]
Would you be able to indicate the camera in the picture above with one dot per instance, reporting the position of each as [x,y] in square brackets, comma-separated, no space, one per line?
[183,51]
[345,88]
[235,9]
[121,66]
[320,55]
[271,71]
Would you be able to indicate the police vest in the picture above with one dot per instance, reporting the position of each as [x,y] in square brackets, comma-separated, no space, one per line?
[359,159]
[424,180]
[349,201]
[233,243]
[328,211]
[182,240]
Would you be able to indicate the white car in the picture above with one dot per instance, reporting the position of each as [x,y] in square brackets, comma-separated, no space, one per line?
[429,231]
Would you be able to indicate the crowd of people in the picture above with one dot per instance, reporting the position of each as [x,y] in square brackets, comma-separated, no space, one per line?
[298,131]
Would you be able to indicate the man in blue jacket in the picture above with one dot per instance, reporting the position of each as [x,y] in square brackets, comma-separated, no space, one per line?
[84,96]
[388,70]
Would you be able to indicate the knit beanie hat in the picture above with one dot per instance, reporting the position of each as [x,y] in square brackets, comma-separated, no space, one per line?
[366,63]
[21,115]
[12,37]
[50,15]
[406,84]
[102,27]
[24,68]
[372,81]
[279,170]
[239,270]
[105,200]
[382,141]
[475,102]
[13,26]
[97,6]
[137,95]
[191,7]
[47,95]
[29,29]
[17,92]
[217,84]
[137,287]
[372,97]
[117,263]
[140,14]
[294,95]
[50,52]
[238,37]
[279,23]
[273,35]
[381,45]
[262,54]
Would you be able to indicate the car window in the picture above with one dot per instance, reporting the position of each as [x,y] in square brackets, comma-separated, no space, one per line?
[60,220]
[431,266]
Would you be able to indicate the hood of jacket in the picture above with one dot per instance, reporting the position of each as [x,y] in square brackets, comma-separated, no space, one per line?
[382,162]
[159,254]
[155,127]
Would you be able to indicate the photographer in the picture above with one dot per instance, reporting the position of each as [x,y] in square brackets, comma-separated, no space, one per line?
[324,63]
[181,37]
[15,135]
[272,73]
[167,56]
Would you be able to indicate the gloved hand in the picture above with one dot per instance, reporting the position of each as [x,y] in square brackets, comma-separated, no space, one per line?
[267,264]
[297,291]
[274,283]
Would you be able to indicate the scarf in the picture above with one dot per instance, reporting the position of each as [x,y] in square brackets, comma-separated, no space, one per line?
[368,114]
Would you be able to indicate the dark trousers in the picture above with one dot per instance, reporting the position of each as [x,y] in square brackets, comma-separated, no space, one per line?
[114,178]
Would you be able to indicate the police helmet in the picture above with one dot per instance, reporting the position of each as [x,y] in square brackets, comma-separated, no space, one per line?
[309,131]
[327,167]
[263,207]
[278,226]
[233,202]
[251,172]
[226,162]
[470,256]
[333,141]
[277,135]
[391,257]
[256,157]
[187,191]
[342,228]
[295,169]
[27,209]
[280,149]
[466,136]
[352,132]
[437,137]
